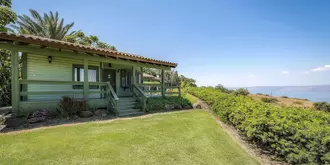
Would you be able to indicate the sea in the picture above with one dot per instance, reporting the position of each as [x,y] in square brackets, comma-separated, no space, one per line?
[315,93]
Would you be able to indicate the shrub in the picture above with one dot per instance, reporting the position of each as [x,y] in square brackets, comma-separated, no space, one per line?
[285,97]
[241,91]
[68,106]
[174,100]
[295,134]
[269,100]
[158,103]
[155,104]
[322,106]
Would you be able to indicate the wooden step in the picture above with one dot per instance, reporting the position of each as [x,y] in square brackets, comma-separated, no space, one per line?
[126,103]
[128,110]
[126,107]
[130,113]
[126,98]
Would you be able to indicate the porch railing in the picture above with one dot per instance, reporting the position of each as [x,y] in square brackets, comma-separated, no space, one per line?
[40,95]
[113,98]
[140,96]
[172,90]
[47,82]
[153,90]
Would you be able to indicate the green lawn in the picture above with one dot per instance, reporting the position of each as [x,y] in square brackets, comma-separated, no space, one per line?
[186,137]
[191,98]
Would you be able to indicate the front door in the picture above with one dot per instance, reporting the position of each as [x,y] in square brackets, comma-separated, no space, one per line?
[109,75]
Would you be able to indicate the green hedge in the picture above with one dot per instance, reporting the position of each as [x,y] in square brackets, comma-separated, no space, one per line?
[158,103]
[297,135]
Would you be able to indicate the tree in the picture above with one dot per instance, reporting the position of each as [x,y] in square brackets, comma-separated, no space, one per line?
[241,91]
[79,37]
[152,71]
[187,82]
[7,16]
[223,89]
[48,25]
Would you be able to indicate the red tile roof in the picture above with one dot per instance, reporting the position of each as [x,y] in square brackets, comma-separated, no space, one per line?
[36,40]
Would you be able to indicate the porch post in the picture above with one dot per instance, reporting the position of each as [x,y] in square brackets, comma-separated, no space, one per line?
[15,87]
[163,84]
[86,84]
[134,75]
[141,76]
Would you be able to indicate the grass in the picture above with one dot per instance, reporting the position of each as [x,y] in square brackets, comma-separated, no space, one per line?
[186,137]
[191,98]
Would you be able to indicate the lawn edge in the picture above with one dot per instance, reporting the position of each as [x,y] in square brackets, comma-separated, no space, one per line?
[95,121]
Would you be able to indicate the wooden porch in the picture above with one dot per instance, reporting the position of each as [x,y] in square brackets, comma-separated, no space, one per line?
[109,98]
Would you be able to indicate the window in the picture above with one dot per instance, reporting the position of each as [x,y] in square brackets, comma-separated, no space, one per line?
[125,78]
[78,75]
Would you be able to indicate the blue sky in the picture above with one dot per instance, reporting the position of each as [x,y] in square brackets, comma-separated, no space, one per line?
[237,43]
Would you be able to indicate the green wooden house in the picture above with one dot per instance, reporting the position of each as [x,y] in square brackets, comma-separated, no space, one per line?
[43,70]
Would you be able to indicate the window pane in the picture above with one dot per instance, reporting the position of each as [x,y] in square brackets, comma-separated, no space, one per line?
[75,74]
[92,75]
[81,72]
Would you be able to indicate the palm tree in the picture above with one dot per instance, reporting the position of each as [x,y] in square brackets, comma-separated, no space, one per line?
[6,3]
[48,25]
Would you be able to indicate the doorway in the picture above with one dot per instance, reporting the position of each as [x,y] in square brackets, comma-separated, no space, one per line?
[109,75]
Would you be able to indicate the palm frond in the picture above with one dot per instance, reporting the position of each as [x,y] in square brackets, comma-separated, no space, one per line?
[48,25]
[6,3]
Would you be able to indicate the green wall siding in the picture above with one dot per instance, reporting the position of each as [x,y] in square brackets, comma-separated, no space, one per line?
[37,67]
[60,69]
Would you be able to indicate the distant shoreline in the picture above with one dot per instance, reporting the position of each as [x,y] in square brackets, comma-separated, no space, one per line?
[318,93]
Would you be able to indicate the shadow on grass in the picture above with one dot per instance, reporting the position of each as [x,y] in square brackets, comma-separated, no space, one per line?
[74,121]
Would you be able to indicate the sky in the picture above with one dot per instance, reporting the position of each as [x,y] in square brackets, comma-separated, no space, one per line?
[237,43]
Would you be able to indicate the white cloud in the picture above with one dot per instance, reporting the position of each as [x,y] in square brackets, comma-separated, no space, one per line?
[308,72]
[252,75]
[284,72]
[323,68]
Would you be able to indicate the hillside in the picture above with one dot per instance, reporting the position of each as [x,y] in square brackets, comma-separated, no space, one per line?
[285,101]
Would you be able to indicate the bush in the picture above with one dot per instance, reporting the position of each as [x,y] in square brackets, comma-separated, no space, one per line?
[158,103]
[155,104]
[174,100]
[5,79]
[285,97]
[68,107]
[322,106]
[241,91]
[269,100]
[295,134]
